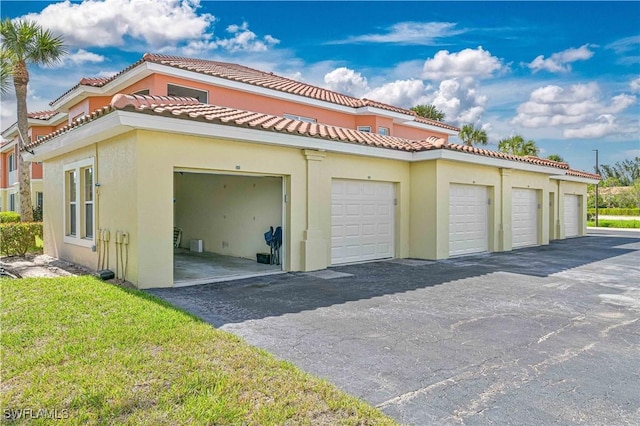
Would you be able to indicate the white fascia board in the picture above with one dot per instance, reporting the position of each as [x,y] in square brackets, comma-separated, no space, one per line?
[82,92]
[222,131]
[78,94]
[371,110]
[579,179]
[425,126]
[54,120]
[9,146]
[10,131]
[80,137]
[464,157]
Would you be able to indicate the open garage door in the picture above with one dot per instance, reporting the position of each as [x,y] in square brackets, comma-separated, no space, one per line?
[571,216]
[468,219]
[362,220]
[524,211]
[219,226]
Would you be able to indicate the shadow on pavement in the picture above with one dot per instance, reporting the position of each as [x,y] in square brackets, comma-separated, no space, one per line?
[275,295]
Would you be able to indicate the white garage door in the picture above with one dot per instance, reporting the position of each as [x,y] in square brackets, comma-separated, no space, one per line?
[524,214]
[362,221]
[468,219]
[571,218]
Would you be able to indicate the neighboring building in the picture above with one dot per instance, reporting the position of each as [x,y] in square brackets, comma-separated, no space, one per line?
[224,151]
[40,124]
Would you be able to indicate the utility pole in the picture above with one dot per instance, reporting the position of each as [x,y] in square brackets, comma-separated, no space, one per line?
[597,184]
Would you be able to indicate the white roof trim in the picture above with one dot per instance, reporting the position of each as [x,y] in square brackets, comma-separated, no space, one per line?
[54,120]
[576,179]
[419,125]
[81,92]
[466,157]
[79,137]
[119,122]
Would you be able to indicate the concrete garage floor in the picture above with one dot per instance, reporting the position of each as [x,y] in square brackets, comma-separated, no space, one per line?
[190,268]
[547,335]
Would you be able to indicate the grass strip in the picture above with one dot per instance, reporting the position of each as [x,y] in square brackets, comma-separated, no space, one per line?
[94,353]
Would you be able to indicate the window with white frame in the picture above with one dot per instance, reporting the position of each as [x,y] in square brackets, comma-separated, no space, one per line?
[12,202]
[384,131]
[187,92]
[39,199]
[364,129]
[79,193]
[11,162]
[300,118]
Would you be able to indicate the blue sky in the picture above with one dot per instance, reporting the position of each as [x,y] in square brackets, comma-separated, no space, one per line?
[565,74]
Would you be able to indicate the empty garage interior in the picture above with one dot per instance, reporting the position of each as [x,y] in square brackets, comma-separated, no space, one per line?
[222,219]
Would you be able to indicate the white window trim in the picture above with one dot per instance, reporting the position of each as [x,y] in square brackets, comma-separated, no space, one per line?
[206,92]
[385,131]
[364,129]
[78,240]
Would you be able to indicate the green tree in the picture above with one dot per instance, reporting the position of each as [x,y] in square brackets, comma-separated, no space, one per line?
[516,145]
[25,43]
[5,73]
[626,172]
[428,111]
[472,136]
[556,157]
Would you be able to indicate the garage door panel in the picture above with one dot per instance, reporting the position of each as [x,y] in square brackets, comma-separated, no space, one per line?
[571,216]
[468,219]
[524,217]
[368,221]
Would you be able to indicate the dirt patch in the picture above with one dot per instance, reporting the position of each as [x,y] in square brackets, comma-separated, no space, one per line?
[42,265]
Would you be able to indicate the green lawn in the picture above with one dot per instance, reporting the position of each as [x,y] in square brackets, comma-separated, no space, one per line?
[99,354]
[608,223]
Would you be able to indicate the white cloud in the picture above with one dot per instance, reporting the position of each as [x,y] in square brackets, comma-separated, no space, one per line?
[112,22]
[478,63]
[159,25]
[80,57]
[347,81]
[460,101]
[409,33]
[561,61]
[402,93]
[245,40]
[635,85]
[605,125]
[624,44]
[579,104]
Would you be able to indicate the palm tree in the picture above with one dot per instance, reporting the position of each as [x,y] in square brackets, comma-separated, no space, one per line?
[555,157]
[428,111]
[24,43]
[471,136]
[5,73]
[516,145]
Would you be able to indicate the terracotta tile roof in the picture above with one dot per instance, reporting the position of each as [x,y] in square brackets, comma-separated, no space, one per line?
[192,109]
[95,81]
[579,173]
[42,115]
[269,80]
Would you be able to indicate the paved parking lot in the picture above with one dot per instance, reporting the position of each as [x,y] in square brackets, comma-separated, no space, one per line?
[546,335]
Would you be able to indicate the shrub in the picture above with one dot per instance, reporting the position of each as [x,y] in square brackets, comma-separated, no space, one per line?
[37,214]
[9,217]
[615,212]
[19,238]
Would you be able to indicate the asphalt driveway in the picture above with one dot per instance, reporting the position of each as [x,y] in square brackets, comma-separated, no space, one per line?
[545,335]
